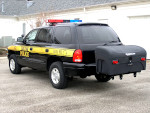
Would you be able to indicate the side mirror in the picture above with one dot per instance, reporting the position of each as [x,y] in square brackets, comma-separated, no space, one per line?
[20,39]
[25,40]
[22,35]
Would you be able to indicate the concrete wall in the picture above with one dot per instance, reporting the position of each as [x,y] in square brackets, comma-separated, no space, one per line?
[6,41]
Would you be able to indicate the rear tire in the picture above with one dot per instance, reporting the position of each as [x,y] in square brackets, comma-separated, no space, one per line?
[57,77]
[14,67]
[83,76]
[102,78]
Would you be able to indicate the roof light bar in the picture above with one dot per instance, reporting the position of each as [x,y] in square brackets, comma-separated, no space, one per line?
[62,21]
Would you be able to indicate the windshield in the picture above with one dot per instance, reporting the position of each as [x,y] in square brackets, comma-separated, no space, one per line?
[94,34]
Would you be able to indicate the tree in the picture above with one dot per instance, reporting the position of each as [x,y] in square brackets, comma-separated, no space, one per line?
[36,20]
[41,20]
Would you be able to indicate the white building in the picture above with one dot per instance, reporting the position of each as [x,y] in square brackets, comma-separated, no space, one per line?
[129,18]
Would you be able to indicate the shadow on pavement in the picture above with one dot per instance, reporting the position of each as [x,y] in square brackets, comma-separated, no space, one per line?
[88,84]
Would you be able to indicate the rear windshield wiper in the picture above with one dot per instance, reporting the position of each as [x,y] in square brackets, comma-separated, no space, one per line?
[56,41]
[112,41]
[116,42]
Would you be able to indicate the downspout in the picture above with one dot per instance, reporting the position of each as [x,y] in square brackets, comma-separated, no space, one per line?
[3,7]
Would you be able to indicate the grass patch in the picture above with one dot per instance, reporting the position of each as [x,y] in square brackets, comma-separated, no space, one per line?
[3,52]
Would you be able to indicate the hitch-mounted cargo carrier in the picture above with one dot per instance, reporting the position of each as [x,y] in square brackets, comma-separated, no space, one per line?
[121,59]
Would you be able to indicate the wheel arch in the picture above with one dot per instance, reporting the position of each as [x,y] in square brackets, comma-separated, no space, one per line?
[52,59]
[10,52]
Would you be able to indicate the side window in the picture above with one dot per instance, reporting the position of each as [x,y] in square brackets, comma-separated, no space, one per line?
[42,36]
[50,35]
[31,36]
[62,35]
[45,35]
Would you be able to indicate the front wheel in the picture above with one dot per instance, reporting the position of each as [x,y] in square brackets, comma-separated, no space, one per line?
[56,75]
[102,78]
[14,67]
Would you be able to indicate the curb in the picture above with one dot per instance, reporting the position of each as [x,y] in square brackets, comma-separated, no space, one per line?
[1,58]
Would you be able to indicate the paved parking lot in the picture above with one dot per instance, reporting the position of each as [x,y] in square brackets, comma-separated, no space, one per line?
[31,92]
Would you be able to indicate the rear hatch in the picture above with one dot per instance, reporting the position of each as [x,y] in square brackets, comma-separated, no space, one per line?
[91,35]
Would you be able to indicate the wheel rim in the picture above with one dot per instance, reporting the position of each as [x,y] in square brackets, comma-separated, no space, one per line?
[12,64]
[55,75]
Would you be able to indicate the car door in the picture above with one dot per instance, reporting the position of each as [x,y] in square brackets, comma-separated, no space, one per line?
[26,55]
[43,41]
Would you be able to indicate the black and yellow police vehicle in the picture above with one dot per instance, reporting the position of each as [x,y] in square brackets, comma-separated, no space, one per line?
[76,49]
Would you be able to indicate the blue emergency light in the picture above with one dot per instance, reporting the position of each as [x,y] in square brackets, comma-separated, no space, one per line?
[75,20]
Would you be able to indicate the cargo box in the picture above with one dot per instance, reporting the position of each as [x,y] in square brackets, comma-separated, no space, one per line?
[122,59]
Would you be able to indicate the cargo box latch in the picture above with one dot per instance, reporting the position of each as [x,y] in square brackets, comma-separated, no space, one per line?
[130,61]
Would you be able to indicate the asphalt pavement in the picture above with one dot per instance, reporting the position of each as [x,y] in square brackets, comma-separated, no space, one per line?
[31,92]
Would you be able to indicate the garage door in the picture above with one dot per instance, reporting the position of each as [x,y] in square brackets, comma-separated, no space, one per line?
[139,28]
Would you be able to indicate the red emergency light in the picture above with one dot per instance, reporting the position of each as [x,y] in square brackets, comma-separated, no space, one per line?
[54,21]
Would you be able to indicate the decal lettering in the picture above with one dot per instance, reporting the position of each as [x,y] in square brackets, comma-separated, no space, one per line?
[24,53]
[25,50]
[129,54]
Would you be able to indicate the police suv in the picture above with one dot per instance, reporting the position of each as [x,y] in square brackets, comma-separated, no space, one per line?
[76,49]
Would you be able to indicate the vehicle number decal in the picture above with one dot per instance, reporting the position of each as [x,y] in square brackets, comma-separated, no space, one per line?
[24,53]
[24,48]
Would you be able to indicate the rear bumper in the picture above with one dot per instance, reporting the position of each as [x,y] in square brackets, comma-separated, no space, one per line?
[77,69]
[78,65]
[92,69]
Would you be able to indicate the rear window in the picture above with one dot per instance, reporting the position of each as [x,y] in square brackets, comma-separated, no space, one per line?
[94,34]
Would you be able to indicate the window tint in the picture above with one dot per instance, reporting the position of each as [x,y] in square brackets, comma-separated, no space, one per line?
[42,36]
[94,34]
[31,36]
[45,35]
[50,36]
[62,35]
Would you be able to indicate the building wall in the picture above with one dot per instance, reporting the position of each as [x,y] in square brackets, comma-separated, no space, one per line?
[10,27]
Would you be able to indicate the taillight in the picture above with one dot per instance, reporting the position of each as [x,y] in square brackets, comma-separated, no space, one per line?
[77,56]
[115,62]
[143,58]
